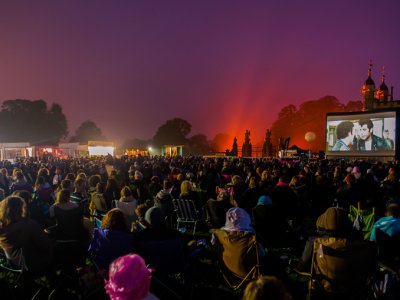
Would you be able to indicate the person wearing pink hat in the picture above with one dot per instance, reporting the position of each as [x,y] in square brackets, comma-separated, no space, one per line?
[129,279]
[356,172]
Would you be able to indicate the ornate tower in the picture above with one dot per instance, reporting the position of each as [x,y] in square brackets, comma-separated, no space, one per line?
[382,94]
[368,90]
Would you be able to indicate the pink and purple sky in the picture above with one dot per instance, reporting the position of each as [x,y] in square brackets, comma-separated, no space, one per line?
[223,65]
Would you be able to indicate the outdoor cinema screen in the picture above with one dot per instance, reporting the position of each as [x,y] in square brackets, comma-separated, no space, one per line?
[367,134]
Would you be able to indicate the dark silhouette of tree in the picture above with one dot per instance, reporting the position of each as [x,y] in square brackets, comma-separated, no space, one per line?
[311,116]
[353,106]
[199,145]
[173,132]
[30,121]
[88,131]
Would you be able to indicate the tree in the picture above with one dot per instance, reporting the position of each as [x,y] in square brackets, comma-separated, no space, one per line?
[88,131]
[199,145]
[353,106]
[173,132]
[311,116]
[30,121]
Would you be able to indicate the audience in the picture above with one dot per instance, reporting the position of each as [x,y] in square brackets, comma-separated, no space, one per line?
[237,207]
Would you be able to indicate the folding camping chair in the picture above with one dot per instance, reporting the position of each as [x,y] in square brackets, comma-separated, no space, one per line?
[186,212]
[341,269]
[363,219]
[19,281]
[238,256]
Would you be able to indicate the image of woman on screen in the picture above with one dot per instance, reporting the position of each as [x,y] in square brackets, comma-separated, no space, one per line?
[344,135]
[367,140]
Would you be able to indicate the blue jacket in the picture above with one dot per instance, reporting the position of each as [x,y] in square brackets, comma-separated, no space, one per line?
[109,244]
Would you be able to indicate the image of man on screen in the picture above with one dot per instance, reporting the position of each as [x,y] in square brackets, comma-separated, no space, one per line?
[344,135]
[367,140]
[387,139]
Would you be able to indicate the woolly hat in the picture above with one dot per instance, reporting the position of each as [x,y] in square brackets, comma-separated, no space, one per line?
[155,217]
[129,278]
[237,219]
[355,170]
[264,200]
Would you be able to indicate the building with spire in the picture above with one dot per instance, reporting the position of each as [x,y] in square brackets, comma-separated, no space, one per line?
[377,98]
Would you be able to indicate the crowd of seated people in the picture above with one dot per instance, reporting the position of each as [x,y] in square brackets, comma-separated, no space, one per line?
[279,197]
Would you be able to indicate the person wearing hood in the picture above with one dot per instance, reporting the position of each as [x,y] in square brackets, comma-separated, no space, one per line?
[234,243]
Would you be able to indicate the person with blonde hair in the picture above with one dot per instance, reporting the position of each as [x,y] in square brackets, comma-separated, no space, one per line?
[127,204]
[188,193]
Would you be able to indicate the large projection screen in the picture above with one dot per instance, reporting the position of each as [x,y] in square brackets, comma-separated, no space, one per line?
[362,134]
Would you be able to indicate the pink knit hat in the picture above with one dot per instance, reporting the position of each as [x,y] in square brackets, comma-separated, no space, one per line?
[355,170]
[129,278]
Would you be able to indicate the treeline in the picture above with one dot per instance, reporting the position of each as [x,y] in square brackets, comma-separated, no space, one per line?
[34,122]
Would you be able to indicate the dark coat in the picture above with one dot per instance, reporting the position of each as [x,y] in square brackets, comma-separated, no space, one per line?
[25,243]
